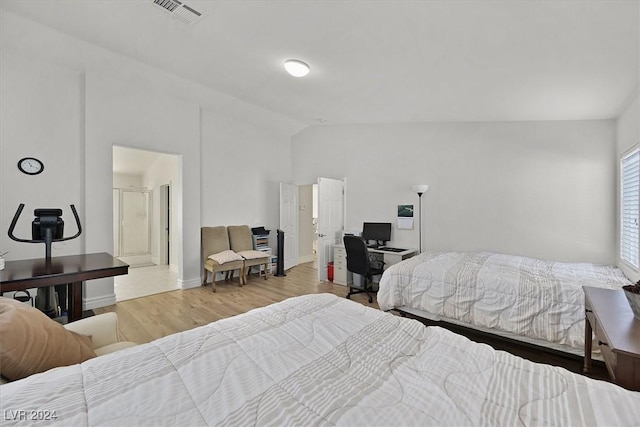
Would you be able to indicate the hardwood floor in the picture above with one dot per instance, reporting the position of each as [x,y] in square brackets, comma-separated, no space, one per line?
[145,319]
[148,318]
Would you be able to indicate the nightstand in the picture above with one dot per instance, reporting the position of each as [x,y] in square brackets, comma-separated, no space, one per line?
[617,331]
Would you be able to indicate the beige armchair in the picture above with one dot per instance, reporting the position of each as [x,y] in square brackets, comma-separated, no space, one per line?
[241,241]
[103,330]
[217,255]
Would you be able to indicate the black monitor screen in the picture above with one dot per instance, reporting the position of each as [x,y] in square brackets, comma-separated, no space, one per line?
[379,231]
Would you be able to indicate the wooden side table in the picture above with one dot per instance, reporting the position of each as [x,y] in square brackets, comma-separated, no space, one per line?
[70,270]
[609,317]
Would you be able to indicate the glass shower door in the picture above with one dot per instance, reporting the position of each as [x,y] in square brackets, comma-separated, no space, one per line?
[135,223]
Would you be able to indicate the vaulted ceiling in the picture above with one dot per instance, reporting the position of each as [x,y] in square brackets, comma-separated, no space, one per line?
[381,61]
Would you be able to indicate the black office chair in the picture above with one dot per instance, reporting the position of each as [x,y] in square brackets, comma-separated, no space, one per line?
[359,262]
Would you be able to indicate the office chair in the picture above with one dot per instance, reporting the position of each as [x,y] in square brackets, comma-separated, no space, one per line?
[359,262]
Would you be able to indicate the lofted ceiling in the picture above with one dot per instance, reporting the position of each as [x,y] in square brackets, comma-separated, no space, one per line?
[381,61]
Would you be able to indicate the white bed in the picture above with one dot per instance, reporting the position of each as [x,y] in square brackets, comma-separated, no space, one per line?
[315,360]
[536,301]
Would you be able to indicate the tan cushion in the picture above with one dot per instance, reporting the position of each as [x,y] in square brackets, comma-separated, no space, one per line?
[225,257]
[253,254]
[30,342]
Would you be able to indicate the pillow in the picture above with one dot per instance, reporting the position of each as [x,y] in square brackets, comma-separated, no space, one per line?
[225,256]
[253,254]
[31,342]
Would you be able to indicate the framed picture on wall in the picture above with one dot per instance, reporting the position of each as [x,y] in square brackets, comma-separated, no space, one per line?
[405,217]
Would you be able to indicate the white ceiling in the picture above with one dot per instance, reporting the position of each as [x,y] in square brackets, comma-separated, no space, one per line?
[382,61]
[133,162]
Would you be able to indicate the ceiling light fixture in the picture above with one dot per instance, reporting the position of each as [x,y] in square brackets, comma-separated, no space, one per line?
[296,68]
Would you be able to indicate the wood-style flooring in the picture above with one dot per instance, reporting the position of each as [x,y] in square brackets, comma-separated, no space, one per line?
[145,319]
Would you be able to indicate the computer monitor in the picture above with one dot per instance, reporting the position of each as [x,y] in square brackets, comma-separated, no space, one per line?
[378,233]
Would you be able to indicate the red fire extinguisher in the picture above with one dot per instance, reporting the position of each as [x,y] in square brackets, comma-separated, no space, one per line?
[330,271]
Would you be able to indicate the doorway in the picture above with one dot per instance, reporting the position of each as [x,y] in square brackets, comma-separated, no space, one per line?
[326,203]
[143,235]
[307,224]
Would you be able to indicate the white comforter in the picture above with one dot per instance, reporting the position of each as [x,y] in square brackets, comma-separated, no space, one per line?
[538,299]
[315,360]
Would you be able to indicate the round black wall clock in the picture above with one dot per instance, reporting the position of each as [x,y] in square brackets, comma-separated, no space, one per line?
[30,166]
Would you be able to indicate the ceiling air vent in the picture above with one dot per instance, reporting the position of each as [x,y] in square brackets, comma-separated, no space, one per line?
[180,10]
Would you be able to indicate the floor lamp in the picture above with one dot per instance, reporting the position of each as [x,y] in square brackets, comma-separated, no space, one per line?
[420,188]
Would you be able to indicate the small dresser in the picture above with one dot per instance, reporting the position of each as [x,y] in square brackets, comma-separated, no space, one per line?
[341,276]
[617,332]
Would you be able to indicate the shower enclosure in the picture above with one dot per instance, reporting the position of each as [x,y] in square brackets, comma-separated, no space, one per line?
[132,224]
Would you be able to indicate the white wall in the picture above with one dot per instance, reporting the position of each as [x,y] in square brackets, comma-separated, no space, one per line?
[125,112]
[242,166]
[628,136]
[68,102]
[40,116]
[539,189]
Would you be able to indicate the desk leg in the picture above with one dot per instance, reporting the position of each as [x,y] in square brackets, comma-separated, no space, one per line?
[75,301]
[588,338]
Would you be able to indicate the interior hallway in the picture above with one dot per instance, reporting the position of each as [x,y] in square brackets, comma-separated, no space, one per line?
[145,281]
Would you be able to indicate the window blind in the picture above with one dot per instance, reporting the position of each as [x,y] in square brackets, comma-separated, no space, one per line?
[630,207]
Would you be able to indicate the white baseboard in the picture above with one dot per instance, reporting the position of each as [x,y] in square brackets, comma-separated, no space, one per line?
[188,284]
[306,258]
[97,302]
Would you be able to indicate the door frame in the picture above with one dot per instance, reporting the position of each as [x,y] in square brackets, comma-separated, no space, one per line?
[164,255]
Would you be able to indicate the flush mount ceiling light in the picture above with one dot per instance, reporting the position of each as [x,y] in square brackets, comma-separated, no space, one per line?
[296,68]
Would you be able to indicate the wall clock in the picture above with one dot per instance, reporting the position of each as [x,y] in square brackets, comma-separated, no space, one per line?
[30,166]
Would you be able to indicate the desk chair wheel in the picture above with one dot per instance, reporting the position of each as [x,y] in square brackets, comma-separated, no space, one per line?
[349,296]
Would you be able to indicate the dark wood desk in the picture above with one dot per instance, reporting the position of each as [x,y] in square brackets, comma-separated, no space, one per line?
[610,319]
[69,270]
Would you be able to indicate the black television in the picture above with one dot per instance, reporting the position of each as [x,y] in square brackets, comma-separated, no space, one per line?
[376,233]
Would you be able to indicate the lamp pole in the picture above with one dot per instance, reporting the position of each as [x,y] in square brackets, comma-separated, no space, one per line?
[420,189]
[420,222]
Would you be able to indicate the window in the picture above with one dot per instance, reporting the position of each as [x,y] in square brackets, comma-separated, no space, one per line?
[629,206]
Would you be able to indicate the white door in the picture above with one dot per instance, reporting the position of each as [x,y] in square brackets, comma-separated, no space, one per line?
[289,223]
[330,221]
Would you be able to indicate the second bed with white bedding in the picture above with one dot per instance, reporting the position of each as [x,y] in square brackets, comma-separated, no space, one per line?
[525,297]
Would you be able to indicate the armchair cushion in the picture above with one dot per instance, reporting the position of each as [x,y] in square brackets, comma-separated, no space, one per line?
[225,257]
[31,342]
[103,329]
[252,254]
